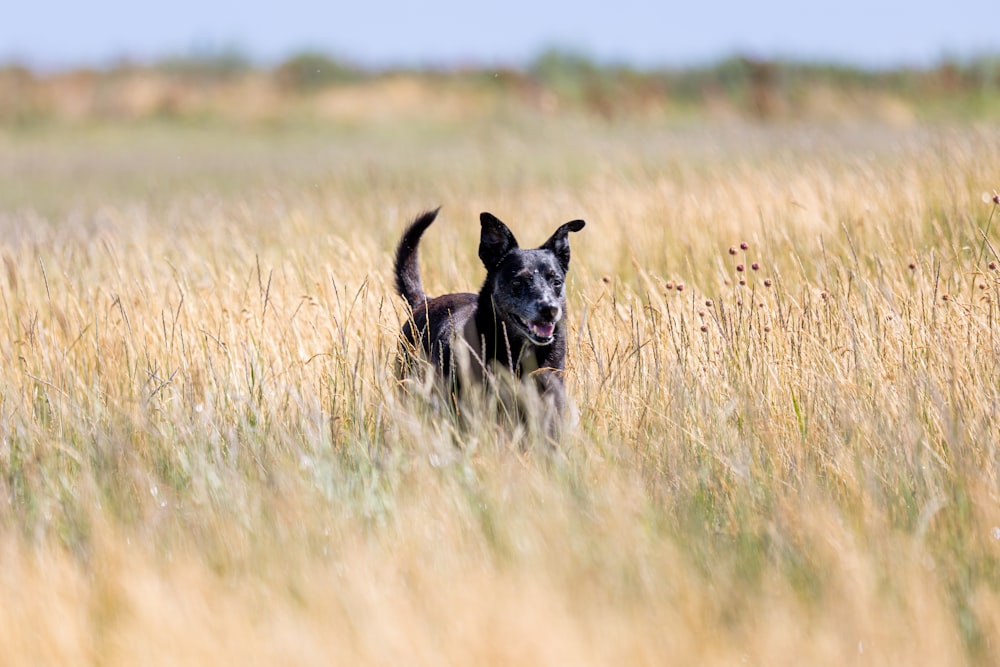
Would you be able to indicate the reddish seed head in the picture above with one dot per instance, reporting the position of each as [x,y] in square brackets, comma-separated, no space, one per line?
[755,266]
[744,245]
[982,285]
[767,282]
[913,266]
[823,295]
[767,328]
[732,250]
[680,287]
[945,297]
[704,328]
[708,302]
[670,284]
[742,281]
[993,266]
[606,279]
[740,267]
[996,199]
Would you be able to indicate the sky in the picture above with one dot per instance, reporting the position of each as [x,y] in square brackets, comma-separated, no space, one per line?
[870,33]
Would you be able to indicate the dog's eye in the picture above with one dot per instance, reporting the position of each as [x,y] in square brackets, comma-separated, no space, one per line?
[516,285]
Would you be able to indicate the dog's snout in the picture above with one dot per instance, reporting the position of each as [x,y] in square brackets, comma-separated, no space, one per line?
[549,312]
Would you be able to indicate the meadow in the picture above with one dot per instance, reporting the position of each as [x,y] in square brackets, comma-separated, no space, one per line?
[784,352]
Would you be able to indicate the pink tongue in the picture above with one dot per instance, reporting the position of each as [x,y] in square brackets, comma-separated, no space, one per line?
[542,329]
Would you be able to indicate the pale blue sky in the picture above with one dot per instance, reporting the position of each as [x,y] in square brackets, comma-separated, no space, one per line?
[451,32]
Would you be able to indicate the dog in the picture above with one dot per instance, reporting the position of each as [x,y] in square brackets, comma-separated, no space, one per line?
[516,323]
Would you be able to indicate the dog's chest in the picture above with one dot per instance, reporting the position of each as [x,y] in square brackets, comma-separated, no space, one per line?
[477,358]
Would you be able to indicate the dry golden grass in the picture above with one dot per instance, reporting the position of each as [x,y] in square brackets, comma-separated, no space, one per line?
[204,457]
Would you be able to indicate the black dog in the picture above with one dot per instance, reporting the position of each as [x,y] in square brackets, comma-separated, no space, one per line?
[516,322]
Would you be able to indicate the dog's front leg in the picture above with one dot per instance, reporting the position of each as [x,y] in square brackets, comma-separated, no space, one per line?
[551,401]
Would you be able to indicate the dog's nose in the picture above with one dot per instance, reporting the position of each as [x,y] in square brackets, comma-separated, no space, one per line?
[549,313]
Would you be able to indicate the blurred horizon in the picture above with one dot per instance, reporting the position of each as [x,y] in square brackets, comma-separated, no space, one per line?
[446,34]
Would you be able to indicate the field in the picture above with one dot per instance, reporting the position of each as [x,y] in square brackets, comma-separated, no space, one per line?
[785,451]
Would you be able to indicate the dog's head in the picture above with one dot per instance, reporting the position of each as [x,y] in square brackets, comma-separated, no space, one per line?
[527,286]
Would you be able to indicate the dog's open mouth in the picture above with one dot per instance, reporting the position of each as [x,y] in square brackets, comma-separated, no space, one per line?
[539,332]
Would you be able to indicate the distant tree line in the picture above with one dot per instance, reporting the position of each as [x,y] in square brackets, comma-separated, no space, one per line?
[556,78]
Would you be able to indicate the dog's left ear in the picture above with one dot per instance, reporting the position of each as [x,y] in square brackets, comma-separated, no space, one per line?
[558,243]
[495,241]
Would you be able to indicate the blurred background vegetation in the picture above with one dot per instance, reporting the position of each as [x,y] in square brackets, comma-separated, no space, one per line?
[231,86]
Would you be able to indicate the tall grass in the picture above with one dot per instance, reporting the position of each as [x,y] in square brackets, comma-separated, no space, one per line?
[205,457]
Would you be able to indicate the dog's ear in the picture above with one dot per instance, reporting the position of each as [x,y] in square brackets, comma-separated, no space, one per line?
[558,243]
[495,242]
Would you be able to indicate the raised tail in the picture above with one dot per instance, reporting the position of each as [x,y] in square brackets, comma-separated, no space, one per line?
[407,271]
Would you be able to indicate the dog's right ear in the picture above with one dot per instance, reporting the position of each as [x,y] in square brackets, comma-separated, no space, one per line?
[495,242]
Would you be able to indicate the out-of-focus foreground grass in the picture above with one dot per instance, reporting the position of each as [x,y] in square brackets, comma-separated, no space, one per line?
[786,453]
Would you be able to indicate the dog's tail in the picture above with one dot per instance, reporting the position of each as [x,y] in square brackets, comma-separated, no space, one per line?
[407,271]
